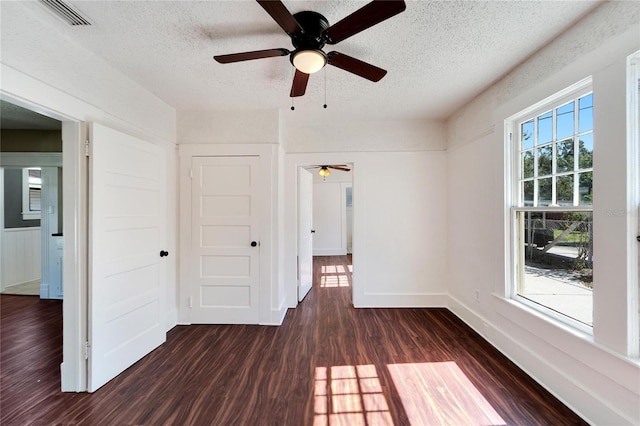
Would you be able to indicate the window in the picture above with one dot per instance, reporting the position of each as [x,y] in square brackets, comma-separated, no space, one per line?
[552,148]
[31,190]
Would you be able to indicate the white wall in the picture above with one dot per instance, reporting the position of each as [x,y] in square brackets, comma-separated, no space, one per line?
[74,85]
[223,127]
[328,220]
[341,134]
[592,374]
[20,256]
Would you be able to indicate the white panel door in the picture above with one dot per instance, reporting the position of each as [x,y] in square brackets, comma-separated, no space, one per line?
[127,214]
[225,243]
[305,232]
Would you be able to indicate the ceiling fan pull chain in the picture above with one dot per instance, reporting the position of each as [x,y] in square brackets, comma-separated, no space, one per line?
[292,107]
[325,88]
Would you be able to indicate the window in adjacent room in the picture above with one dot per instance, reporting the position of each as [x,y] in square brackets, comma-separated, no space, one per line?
[31,190]
[552,148]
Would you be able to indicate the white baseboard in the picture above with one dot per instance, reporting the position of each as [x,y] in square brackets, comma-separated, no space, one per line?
[44,290]
[584,402]
[277,317]
[70,382]
[329,252]
[378,300]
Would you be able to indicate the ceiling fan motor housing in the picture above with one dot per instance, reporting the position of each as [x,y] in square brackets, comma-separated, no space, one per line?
[313,36]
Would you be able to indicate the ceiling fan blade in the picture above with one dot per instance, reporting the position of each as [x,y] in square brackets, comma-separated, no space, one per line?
[299,85]
[248,56]
[344,169]
[356,66]
[281,15]
[363,18]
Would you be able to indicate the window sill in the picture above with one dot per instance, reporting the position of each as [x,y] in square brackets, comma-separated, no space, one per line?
[540,323]
[558,334]
[31,216]
[553,316]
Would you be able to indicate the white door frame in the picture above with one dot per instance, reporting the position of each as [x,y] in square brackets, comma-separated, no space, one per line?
[271,312]
[74,334]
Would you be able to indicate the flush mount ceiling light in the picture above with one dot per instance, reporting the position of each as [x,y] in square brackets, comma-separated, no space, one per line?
[309,61]
[324,171]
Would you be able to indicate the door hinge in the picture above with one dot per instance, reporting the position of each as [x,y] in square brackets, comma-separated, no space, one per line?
[86,350]
[86,148]
[190,301]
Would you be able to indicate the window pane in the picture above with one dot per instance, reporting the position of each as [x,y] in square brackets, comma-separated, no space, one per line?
[34,200]
[564,156]
[586,151]
[564,190]
[527,164]
[545,128]
[564,121]
[526,131]
[586,189]
[544,160]
[585,113]
[544,192]
[527,193]
[555,267]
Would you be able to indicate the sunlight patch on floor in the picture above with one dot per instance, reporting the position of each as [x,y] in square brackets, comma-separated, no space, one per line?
[349,395]
[335,276]
[439,393]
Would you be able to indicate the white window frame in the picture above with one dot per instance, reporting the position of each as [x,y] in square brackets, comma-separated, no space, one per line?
[27,213]
[516,203]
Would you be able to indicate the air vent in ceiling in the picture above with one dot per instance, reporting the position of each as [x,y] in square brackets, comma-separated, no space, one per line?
[65,12]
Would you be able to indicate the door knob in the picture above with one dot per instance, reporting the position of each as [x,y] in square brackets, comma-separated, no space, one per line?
[253,244]
[164,253]
[313,231]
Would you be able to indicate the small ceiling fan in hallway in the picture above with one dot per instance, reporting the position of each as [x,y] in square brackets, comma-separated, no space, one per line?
[310,31]
[323,169]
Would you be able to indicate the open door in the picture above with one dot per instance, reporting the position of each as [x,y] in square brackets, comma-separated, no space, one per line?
[305,232]
[127,214]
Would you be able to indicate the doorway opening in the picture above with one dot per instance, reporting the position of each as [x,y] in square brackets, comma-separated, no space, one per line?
[31,219]
[32,147]
[325,228]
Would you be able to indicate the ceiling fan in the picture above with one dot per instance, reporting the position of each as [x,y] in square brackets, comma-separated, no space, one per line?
[323,170]
[310,31]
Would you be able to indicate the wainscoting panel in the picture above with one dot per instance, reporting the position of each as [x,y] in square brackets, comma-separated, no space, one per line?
[20,256]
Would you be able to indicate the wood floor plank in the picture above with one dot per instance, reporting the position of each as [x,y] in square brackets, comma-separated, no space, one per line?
[328,364]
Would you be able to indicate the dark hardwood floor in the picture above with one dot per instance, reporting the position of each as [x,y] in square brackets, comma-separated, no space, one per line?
[328,364]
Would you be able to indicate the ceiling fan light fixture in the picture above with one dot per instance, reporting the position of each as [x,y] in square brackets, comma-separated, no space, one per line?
[309,61]
[324,171]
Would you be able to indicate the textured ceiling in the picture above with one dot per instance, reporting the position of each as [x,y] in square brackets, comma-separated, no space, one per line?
[438,54]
